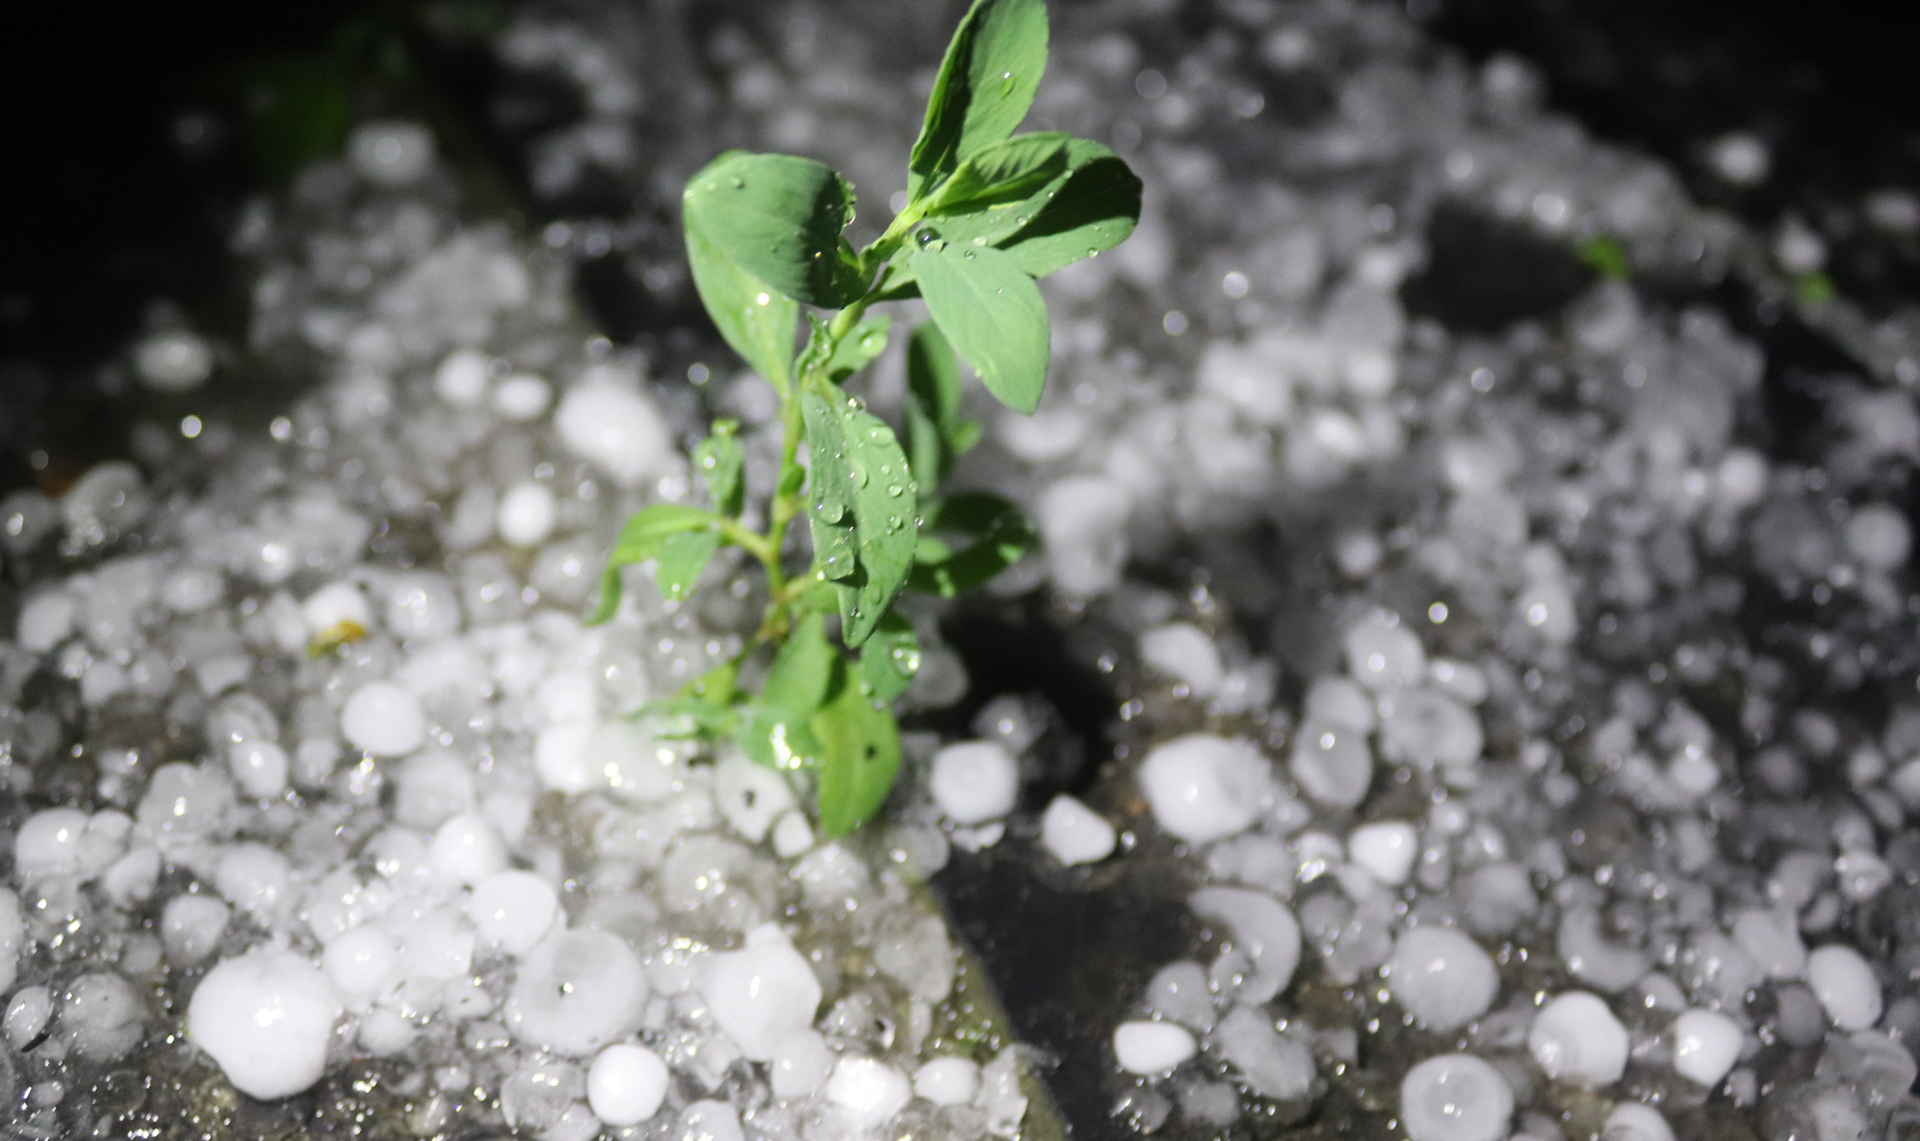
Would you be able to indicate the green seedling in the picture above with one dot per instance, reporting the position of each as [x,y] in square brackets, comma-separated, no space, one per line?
[987,212]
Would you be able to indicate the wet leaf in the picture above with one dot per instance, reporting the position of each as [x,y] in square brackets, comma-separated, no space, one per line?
[890,658]
[936,432]
[681,559]
[1091,211]
[997,535]
[985,86]
[756,319]
[642,538]
[857,349]
[779,218]
[721,460]
[859,756]
[1002,173]
[992,314]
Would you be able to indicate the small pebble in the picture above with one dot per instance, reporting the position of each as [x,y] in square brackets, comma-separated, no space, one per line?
[1152,1047]
[1074,833]
[626,1084]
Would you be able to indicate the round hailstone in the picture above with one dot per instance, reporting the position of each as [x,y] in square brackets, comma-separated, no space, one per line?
[1879,537]
[13,937]
[576,992]
[1845,986]
[260,768]
[522,397]
[467,848]
[1772,937]
[1332,763]
[49,843]
[46,621]
[526,514]
[1263,930]
[750,796]
[800,1065]
[360,962]
[512,910]
[1074,833]
[1152,1047]
[626,1084]
[618,431]
[1203,787]
[462,379]
[191,927]
[1183,651]
[102,1017]
[1382,654]
[1705,1046]
[266,1019]
[868,1090]
[947,1080]
[337,610]
[390,153]
[975,781]
[1455,1097]
[1339,702]
[1631,1121]
[1083,528]
[383,719]
[173,361]
[1442,978]
[761,993]
[1576,1038]
[28,1013]
[1385,850]
[1425,725]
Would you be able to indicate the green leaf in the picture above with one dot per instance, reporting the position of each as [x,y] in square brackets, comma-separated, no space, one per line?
[717,686]
[863,506]
[780,218]
[857,349]
[642,538]
[936,432]
[802,668]
[835,545]
[890,658]
[1000,536]
[754,317]
[985,86]
[777,738]
[859,757]
[1002,173]
[992,313]
[682,718]
[681,559]
[721,460]
[1092,210]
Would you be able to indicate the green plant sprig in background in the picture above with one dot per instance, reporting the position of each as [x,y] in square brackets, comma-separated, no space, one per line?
[988,212]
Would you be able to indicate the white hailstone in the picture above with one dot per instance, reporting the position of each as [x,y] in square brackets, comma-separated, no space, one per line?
[467,848]
[266,1019]
[617,430]
[390,153]
[1741,479]
[1706,1044]
[13,937]
[421,606]
[513,910]
[868,1090]
[102,1016]
[462,378]
[1382,654]
[337,609]
[1631,1121]
[1797,248]
[46,621]
[526,514]
[1442,978]
[48,844]
[626,1084]
[801,1062]
[1426,726]
[260,768]
[28,1013]
[1455,1097]
[1358,553]
[110,496]
[256,879]
[1576,1038]
[1879,537]
[1083,525]
[1180,992]
[762,992]
[431,786]
[1183,652]
[522,397]
[1203,787]
[751,797]
[1772,937]
[1385,850]
[1264,931]
[947,1080]
[1341,702]
[559,756]
[173,361]
[1331,763]
[383,719]
[576,992]
[1845,985]
[567,696]
[360,963]
[580,756]
[191,927]
[792,835]
[1740,158]
[1268,1064]
[974,781]
[1152,1047]
[1074,833]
